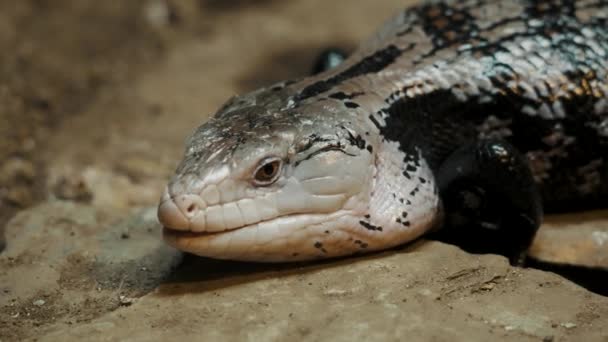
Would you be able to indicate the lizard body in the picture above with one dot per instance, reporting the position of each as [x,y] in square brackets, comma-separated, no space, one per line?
[362,157]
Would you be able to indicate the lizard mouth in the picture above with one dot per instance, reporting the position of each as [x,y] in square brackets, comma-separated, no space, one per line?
[186,216]
[179,238]
[237,243]
[198,242]
[174,232]
[168,231]
[185,234]
[279,239]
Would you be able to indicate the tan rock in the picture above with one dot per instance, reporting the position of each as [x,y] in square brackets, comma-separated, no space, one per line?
[100,277]
[573,239]
[66,263]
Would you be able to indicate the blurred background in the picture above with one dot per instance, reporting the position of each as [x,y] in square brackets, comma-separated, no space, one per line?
[98,97]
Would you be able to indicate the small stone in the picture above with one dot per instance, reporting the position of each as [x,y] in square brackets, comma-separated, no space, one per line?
[126,301]
[335,292]
[487,287]
[39,302]
[568,325]
[509,328]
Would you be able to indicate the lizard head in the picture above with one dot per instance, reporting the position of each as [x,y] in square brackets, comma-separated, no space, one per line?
[266,179]
[265,185]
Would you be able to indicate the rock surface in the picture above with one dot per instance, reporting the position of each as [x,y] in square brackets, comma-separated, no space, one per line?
[68,263]
[72,272]
[574,239]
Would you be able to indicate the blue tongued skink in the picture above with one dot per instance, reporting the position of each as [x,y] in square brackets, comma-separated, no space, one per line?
[455,112]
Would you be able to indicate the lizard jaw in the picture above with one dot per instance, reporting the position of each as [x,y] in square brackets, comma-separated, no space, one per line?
[283,239]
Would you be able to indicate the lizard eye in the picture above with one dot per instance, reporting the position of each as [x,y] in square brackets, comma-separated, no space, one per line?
[267,171]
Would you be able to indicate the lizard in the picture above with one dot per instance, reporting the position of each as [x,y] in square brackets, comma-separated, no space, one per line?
[477,116]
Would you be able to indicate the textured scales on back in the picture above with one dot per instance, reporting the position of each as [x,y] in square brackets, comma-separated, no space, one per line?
[347,161]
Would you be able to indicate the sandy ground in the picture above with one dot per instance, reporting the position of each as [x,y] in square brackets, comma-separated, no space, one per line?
[96,100]
[73,273]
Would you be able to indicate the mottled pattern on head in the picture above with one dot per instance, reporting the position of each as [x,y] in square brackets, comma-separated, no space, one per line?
[250,127]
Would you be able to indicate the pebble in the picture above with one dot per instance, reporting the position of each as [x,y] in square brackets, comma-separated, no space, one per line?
[126,301]
[568,325]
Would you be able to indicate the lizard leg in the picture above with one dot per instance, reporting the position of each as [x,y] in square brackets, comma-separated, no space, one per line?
[491,201]
[328,59]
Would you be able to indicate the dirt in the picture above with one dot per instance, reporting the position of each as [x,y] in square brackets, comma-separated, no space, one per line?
[96,100]
[71,272]
[57,58]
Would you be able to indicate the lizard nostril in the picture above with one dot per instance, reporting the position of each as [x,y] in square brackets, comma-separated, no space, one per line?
[189,205]
[191,208]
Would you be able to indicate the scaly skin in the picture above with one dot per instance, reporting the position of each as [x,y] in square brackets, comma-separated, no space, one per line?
[345,161]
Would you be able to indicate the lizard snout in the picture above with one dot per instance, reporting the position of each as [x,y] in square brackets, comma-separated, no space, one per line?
[178,212]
